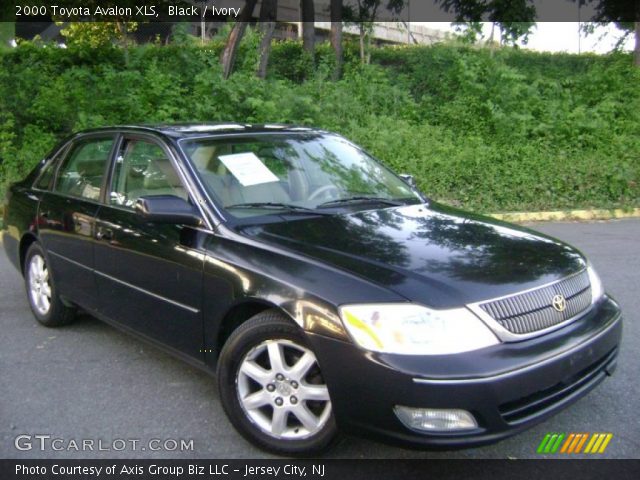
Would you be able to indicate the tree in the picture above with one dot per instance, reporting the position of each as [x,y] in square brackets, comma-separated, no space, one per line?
[7,33]
[307,14]
[98,29]
[624,13]
[514,18]
[336,36]
[367,11]
[93,34]
[268,14]
[364,17]
[7,28]
[235,36]
[510,32]
[96,34]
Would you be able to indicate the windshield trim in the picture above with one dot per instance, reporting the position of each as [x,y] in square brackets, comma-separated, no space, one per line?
[222,136]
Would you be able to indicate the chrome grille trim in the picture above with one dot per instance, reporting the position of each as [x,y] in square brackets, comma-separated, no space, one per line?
[530,313]
[543,318]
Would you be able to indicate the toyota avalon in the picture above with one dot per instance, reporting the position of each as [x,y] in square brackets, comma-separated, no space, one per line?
[326,293]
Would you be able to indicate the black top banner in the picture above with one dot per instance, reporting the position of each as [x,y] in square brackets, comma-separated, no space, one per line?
[351,11]
[320,469]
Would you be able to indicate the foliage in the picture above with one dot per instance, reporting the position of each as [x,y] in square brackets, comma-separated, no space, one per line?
[514,18]
[512,130]
[363,14]
[7,33]
[95,34]
[510,32]
[625,14]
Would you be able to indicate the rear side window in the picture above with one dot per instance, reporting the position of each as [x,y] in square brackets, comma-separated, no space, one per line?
[46,177]
[82,171]
[48,171]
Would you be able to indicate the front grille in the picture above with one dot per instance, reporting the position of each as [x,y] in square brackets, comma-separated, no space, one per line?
[533,310]
[532,405]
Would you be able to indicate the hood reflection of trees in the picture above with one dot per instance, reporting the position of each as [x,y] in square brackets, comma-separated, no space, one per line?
[483,252]
[393,239]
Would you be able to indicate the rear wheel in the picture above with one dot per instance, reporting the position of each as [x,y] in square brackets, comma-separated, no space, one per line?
[272,387]
[45,303]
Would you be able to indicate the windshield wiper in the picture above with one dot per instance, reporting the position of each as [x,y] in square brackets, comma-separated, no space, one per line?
[363,199]
[280,206]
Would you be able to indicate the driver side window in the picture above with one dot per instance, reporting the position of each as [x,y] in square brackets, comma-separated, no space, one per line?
[142,168]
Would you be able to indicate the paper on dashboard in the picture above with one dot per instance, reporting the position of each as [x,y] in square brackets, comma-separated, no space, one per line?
[248,169]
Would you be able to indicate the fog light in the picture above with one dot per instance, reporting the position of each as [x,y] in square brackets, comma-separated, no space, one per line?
[435,420]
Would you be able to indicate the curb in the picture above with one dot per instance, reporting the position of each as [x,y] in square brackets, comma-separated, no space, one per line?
[564,215]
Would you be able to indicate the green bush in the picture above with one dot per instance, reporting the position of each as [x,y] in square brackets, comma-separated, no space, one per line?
[491,131]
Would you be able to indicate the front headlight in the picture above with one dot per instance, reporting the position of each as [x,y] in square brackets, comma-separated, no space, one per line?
[597,290]
[415,330]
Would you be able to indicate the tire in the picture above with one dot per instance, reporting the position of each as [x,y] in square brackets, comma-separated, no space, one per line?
[284,410]
[42,293]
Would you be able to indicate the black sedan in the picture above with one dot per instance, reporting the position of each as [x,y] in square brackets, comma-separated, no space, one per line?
[326,292]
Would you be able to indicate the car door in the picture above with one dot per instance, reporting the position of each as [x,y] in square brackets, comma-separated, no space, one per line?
[149,275]
[66,217]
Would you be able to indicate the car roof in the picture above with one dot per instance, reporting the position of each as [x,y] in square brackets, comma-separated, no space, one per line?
[186,130]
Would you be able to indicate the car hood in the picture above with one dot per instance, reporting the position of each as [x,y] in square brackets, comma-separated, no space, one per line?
[431,254]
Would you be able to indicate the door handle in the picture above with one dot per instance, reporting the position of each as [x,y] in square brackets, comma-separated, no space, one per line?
[104,234]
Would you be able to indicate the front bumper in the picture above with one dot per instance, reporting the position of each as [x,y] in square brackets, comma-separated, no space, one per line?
[508,388]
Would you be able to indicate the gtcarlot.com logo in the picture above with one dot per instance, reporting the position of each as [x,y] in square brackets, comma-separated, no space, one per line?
[575,443]
[50,443]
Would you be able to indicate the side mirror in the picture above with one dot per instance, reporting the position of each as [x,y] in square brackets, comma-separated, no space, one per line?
[409,180]
[167,209]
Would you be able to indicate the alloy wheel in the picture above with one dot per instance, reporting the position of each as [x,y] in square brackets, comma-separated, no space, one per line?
[281,390]
[39,284]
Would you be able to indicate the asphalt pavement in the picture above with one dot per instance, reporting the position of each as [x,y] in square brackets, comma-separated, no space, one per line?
[90,382]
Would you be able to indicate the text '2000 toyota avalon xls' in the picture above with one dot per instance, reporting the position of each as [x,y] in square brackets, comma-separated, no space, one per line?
[324,290]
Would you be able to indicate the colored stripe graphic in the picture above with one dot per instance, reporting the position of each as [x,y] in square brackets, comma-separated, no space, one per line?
[604,445]
[572,443]
[565,447]
[556,445]
[596,446]
[551,443]
[544,442]
[581,442]
[598,443]
[590,444]
[576,440]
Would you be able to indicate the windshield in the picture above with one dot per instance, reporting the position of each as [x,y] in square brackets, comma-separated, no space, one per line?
[299,173]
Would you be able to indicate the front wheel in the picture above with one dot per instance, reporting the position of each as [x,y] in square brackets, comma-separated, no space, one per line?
[272,388]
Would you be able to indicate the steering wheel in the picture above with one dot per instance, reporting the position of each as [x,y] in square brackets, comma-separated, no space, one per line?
[323,192]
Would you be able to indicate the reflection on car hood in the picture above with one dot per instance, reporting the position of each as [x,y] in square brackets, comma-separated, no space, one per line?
[431,254]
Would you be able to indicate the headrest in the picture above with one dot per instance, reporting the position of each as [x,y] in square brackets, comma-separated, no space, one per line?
[160,174]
